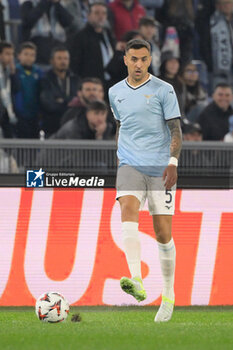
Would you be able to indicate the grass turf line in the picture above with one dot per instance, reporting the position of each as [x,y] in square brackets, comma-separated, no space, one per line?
[119,328]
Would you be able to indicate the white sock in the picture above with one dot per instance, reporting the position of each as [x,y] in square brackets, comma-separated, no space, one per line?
[167,257]
[132,247]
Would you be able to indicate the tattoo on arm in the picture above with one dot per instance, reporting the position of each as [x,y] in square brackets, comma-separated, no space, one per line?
[176,137]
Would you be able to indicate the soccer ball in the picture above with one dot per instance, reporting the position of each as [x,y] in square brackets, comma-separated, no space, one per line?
[52,307]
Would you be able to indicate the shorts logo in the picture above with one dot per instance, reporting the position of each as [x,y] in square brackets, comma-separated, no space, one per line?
[120,100]
[168,207]
[35,178]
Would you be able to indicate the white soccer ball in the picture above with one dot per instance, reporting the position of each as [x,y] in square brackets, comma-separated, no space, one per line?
[52,307]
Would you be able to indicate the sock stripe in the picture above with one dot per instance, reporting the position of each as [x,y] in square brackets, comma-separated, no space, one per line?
[166,249]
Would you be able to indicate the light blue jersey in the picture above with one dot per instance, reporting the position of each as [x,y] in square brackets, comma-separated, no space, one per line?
[144,137]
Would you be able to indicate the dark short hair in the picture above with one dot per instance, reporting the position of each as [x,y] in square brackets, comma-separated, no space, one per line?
[60,48]
[27,45]
[93,80]
[147,21]
[97,3]
[5,45]
[137,44]
[191,128]
[223,86]
[98,106]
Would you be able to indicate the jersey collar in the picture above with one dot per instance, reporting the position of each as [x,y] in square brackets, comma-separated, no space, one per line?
[137,87]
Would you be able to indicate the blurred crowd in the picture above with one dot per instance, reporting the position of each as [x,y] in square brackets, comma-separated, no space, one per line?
[55,76]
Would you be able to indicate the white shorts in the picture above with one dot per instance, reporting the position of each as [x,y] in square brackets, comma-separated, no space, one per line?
[131,182]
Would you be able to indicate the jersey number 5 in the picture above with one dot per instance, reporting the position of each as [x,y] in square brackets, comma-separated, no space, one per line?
[168,193]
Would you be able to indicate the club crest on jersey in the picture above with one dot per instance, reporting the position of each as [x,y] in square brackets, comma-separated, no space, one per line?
[148,98]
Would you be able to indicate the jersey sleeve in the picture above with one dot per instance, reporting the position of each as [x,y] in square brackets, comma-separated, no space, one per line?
[112,106]
[170,104]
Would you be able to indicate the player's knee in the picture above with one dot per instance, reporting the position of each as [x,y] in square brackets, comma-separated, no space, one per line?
[163,235]
[129,211]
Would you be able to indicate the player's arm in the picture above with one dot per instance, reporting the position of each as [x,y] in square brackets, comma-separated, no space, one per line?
[170,173]
[176,137]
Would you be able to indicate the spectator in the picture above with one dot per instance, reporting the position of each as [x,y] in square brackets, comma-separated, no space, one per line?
[44,23]
[151,6]
[171,41]
[12,14]
[169,72]
[195,159]
[192,132]
[57,89]
[203,10]
[2,26]
[93,47]
[179,14]
[78,9]
[26,101]
[116,67]
[91,89]
[229,136]
[195,97]
[9,85]
[6,17]
[7,161]
[91,125]
[214,118]
[148,28]
[216,43]
[126,16]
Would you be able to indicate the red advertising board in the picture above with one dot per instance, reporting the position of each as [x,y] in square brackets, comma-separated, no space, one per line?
[70,241]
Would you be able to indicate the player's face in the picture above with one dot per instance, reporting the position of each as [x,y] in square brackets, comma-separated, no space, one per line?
[137,62]
[96,118]
[61,61]
[91,92]
[27,57]
[223,97]
[7,56]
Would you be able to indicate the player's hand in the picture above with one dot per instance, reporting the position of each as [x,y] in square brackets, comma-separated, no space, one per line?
[170,176]
[99,131]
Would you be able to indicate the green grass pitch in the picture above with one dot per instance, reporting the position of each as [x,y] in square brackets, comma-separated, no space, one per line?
[119,328]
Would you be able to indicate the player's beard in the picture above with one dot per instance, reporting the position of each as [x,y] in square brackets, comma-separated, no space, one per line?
[139,77]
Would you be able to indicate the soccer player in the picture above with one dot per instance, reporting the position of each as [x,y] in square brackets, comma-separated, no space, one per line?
[149,145]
